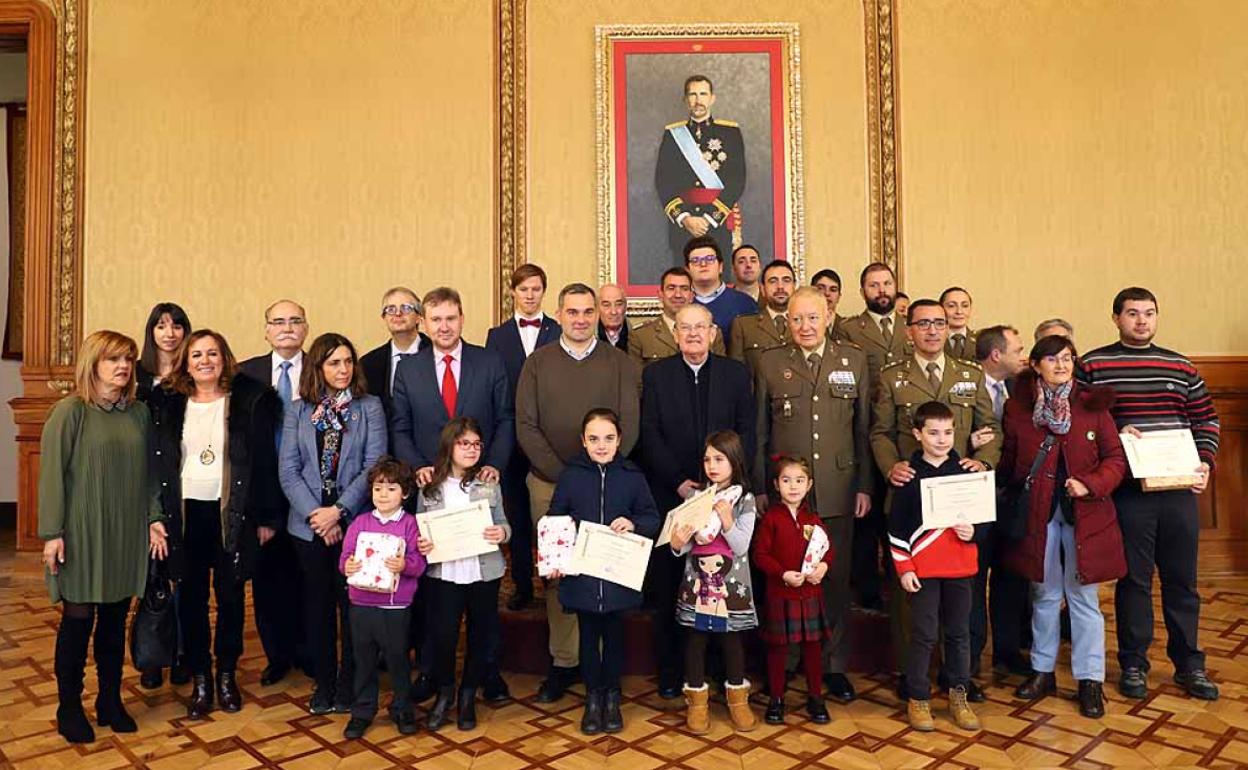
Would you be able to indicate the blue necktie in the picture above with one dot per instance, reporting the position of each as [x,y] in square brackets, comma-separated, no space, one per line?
[998,399]
[285,393]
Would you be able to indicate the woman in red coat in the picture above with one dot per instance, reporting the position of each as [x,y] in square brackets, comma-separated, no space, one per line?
[1071,513]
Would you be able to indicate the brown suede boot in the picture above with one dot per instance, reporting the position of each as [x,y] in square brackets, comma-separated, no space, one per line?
[960,710]
[920,713]
[743,718]
[697,709]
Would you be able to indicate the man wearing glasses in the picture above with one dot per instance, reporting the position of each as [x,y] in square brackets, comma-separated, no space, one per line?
[402,314]
[684,399]
[930,374]
[705,263]
[279,616]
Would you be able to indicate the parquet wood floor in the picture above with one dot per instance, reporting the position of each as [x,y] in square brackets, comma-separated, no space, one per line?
[274,731]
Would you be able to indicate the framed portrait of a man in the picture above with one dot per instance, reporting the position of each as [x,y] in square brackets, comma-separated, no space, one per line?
[698,134]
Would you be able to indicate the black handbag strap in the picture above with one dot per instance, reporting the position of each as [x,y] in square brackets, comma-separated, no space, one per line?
[1045,447]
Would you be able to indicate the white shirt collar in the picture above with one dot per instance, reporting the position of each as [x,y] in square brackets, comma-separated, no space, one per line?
[541,316]
[395,351]
[714,295]
[774,313]
[275,360]
[696,367]
[923,362]
[457,353]
[398,514]
[593,343]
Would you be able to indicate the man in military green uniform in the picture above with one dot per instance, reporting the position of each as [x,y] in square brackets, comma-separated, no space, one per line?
[929,375]
[957,304]
[754,334]
[657,339]
[878,330]
[813,402]
[828,282]
[700,173]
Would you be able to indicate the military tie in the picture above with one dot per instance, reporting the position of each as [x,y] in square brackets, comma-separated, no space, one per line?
[886,328]
[998,399]
[782,326]
[959,346]
[933,375]
[812,361]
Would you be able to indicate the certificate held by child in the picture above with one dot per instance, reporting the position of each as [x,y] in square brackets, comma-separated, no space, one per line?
[457,532]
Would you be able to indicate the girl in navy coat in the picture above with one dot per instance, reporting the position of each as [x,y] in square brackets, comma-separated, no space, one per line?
[601,487]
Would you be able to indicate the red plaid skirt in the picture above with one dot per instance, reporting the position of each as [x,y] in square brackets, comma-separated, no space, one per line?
[791,621]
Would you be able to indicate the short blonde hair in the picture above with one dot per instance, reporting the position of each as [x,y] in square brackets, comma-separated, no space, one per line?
[98,346]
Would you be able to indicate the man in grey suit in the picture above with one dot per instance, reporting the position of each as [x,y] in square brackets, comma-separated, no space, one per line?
[276,586]
[448,379]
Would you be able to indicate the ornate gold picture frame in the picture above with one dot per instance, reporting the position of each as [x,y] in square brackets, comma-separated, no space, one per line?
[669,167]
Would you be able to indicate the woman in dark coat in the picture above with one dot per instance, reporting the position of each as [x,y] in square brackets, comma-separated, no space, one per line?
[1071,513]
[601,487]
[216,459]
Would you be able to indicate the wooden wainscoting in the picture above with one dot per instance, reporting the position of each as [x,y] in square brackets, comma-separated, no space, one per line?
[1224,509]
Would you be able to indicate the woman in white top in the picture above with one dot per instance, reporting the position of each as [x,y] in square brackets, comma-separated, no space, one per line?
[216,459]
[467,586]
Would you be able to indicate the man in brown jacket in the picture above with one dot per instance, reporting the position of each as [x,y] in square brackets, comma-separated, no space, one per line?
[754,334]
[813,402]
[558,385]
[878,330]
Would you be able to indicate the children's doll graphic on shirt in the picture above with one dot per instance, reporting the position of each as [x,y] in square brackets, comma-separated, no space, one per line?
[713,589]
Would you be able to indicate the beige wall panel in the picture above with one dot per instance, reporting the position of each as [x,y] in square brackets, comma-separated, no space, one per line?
[243,151]
[562,193]
[1053,152]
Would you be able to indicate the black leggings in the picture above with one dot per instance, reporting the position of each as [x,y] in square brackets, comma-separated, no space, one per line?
[208,565]
[696,643]
[602,649]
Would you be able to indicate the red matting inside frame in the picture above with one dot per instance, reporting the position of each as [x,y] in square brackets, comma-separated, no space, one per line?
[624,48]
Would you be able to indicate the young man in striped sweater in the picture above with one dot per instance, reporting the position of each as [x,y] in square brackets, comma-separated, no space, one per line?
[1157,389]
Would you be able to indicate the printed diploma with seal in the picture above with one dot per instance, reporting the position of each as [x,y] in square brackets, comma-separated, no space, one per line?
[1163,459]
[457,533]
[967,498]
[616,557]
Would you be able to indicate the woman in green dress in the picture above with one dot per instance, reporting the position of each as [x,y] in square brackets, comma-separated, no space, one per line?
[96,500]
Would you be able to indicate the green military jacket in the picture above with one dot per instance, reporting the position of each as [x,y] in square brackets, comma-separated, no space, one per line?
[824,417]
[863,331]
[967,350]
[903,388]
[753,335]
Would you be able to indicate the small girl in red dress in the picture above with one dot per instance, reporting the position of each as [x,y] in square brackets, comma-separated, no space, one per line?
[794,601]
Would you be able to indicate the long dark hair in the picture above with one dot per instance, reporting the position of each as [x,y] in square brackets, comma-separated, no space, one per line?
[312,380]
[453,431]
[150,358]
[180,380]
[729,443]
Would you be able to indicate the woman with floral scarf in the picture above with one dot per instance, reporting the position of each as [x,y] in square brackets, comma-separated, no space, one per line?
[331,437]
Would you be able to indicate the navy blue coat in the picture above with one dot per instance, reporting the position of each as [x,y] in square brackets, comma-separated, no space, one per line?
[482,394]
[588,491]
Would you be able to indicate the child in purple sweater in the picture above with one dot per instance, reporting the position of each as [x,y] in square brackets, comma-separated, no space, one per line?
[379,621]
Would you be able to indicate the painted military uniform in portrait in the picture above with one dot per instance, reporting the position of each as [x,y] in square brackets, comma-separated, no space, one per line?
[701,173]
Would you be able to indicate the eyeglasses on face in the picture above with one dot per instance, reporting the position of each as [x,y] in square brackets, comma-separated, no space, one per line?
[1064,360]
[687,328]
[930,323]
[404,309]
[294,320]
[704,260]
[465,443]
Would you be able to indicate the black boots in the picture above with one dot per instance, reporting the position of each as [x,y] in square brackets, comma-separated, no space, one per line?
[612,720]
[1091,699]
[591,720]
[201,697]
[467,709]
[69,663]
[441,707]
[110,653]
[1038,685]
[228,696]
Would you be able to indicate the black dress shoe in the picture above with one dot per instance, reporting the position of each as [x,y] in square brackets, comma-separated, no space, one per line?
[1014,664]
[180,674]
[466,709]
[1038,685]
[356,727]
[612,719]
[1091,699]
[405,721]
[73,725]
[273,674]
[322,702]
[839,687]
[775,712]
[151,679]
[201,697]
[422,689]
[520,600]
[1133,683]
[669,691]
[438,713]
[817,711]
[591,720]
[1197,684]
[342,705]
[554,685]
[228,696]
[495,689]
[974,693]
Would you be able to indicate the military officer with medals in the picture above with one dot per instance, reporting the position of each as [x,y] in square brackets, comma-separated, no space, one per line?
[813,402]
[700,173]
[962,338]
[657,339]
[930,374]
[753,335]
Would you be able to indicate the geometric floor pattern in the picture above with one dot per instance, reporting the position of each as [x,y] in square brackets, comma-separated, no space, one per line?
[273,730]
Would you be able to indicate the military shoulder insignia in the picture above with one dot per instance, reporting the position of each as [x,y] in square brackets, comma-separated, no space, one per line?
[731,123]
[973,364]
[893,365]
[850,344]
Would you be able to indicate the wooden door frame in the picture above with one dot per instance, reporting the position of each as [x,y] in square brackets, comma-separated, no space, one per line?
[52,328]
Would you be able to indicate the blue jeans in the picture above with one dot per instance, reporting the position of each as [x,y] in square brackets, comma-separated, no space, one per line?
[1087,624]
